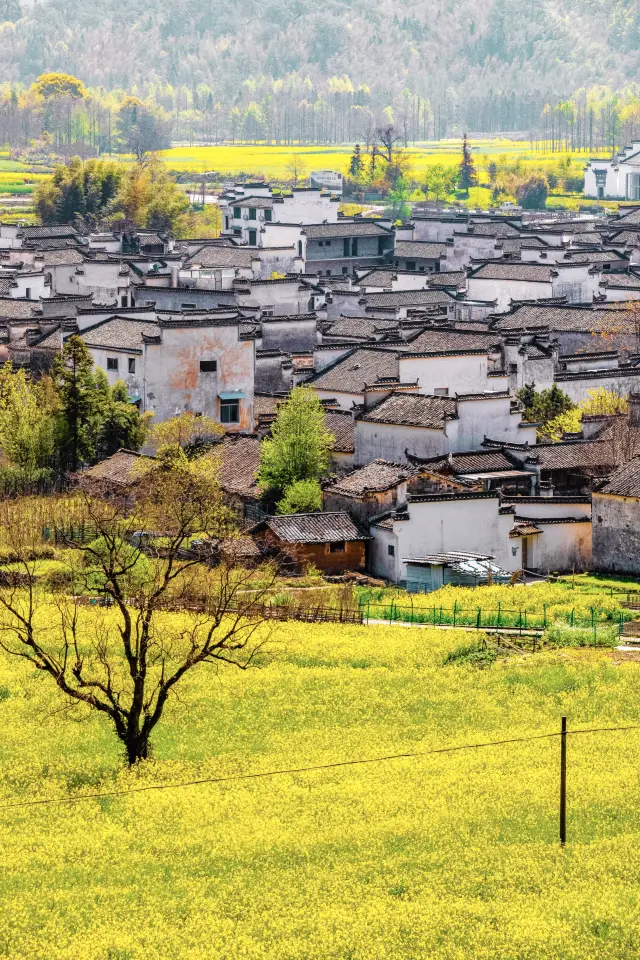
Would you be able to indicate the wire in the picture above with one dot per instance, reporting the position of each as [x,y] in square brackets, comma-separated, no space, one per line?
[309,769]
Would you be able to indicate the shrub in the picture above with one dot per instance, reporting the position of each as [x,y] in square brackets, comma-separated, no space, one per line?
[533,193]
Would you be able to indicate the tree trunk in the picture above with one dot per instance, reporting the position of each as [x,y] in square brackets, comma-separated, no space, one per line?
[137,748]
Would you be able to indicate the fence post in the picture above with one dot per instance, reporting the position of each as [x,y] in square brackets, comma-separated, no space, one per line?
[593,627]
[455,610]
[563,782]
[368,605]
[544,621]
[520,621]
[479,620]
[499,607]
[573,616]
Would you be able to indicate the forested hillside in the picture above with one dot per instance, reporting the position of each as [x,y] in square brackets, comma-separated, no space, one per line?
[487,64]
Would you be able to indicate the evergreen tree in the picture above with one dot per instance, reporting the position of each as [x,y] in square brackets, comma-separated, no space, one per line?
[467,176]
[355,166]
[77,415]
[299,446]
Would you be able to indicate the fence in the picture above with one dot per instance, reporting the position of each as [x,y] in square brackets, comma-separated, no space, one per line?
[500,618]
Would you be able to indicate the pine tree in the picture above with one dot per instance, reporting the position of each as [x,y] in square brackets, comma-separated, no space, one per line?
[467,176]
[355,166]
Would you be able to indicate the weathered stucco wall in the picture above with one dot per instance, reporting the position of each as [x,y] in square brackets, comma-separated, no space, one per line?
[616,534]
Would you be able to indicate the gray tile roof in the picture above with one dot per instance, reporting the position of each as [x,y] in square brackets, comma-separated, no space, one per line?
[13,309]
[345,228]
[631,219]
[123,468]
[412,410]
[62,258]
[375,477]
[461,463]
[407,298]
[574,455]
[626,481]
[420,249]
[314,528]
[561,317]
[7,284]
[447,278]
[239,462]
[533,273]
[254,203]
[446,341]
[359,327]
[210,256]
[39,233]
[378,278]
[351,373]
[119,333]
[495,228]
[621,280]
[340,424]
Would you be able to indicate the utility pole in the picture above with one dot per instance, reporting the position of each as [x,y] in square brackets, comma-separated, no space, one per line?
[563,782]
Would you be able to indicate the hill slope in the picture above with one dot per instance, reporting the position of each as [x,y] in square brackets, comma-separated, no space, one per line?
[432,46]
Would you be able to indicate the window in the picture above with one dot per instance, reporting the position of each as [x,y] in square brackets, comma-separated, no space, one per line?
[27,293]
[208,366]
[411,264]
[226,223]
[123,300]
[441,391]
[391,550]
[229,411]
[327,243]
[328,272]
[299,248]
[252,238]
[345,248]
[187,306]
[267,216]
[237,213]
[112,363]
[354,247]
[131,364]
[381,247]
[321,243]
[253,213]
[345,270]
[237,232]
[337,546]
[633,186]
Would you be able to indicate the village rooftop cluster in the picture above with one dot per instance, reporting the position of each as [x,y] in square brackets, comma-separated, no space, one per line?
[416,337]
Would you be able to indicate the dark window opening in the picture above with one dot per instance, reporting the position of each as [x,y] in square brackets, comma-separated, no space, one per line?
[411,264]
[252,238]
[112,363]
[237,232]
[338,546]
[27,293]
[345,248]
[267,216]
[354,247]
[131,365]
[299,248]
[208,366]
[229,411]
[237,213]
[381,247]
[187,306]
[391,550]
[345,270]
[252,213]
[123,300]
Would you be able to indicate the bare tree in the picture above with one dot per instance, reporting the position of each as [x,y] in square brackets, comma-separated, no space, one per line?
[296,168]
[385,142]
[168,612]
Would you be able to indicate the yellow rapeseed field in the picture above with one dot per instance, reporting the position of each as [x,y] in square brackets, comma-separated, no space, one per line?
[446,857]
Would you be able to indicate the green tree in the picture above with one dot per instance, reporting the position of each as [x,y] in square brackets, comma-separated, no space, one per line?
[121,424]
[26,426]
[149,197]
[532,194]
[142,127]
[303,496]
[78,190]
[299,445]
[467,176]
[77,415]
[397,201]
[544,407]
[439,180]
[355,164]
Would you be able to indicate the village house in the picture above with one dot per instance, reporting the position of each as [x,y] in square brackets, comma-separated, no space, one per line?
[527,533]
[616,521]
[329,541]
[508,282]
[617,178]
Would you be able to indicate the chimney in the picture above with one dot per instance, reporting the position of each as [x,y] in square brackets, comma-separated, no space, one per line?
[634,409]
[174,275]
[546,488]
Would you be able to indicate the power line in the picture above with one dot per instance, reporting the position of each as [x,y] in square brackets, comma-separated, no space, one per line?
[309,769]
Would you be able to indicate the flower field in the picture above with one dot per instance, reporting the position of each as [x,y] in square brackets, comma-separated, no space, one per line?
[447,857]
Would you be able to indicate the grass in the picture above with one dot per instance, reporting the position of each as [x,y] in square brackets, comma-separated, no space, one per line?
[446,857]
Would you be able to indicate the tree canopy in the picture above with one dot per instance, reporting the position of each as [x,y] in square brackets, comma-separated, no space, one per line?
[299,446]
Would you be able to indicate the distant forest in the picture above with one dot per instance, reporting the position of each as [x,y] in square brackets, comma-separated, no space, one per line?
[297,70]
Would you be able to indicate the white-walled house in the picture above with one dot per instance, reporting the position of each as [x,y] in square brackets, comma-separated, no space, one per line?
[554,536]
[71,273]
[617,178]
[401,425]
[508,282]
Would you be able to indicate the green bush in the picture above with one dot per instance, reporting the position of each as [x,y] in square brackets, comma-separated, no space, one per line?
[7,555]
